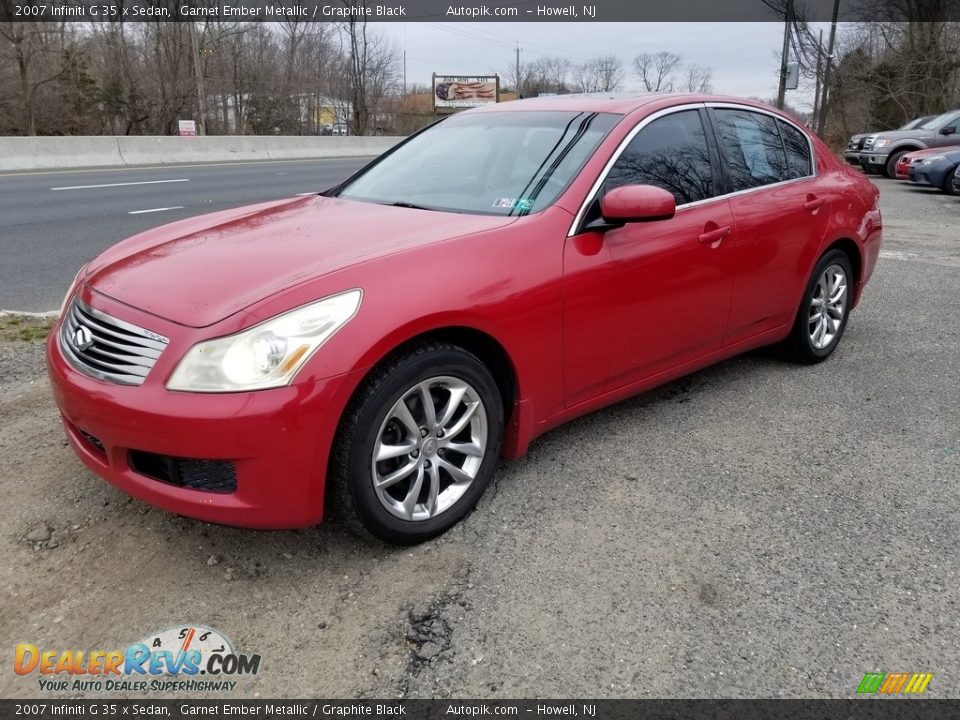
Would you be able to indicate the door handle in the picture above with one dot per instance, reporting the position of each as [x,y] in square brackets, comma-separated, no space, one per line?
[812,202]
[714,237]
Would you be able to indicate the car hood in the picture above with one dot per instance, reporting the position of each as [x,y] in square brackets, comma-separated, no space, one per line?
[949,156]
[199,271]
[904,135]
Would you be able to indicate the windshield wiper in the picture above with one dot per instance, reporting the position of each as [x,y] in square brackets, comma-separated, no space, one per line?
[414,206]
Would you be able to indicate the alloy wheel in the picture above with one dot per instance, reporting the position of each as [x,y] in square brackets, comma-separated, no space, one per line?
[827,307]
[429,449]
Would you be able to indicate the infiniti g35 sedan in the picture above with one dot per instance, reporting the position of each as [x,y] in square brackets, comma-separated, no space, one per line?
[375,349]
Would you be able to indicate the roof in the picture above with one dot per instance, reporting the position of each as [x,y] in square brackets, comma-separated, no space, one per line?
[609,102]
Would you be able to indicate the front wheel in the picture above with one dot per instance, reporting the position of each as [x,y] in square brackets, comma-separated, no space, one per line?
[948,187]
[419,445]
[890,169]
[824,310]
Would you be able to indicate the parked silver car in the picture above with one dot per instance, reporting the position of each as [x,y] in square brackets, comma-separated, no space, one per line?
[854,152]
[882,150]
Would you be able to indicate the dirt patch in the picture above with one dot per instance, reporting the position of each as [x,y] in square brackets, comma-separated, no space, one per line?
[25,328]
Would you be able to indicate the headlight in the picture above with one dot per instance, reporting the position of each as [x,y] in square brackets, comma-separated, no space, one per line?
[931,160]
[881,143]
[267,355]
[71,290]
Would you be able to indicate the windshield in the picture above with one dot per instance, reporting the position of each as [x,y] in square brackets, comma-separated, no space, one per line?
[496,163]
[918,122]
[938,121]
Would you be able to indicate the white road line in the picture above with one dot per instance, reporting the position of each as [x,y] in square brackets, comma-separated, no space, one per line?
[141,212]
[143,182]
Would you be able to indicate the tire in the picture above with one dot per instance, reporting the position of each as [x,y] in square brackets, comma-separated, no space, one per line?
[890,169]
[375,422]
[804,343]
[948,186]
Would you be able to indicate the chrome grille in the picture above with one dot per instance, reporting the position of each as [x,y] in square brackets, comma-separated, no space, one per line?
[106,348]
[868,143]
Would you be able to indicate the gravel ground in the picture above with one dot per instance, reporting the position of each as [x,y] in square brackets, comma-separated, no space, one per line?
[756,529]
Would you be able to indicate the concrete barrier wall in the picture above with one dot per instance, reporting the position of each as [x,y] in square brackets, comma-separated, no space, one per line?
[52,153]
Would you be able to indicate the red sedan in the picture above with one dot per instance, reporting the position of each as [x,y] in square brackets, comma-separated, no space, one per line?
[380,346]
[902,168]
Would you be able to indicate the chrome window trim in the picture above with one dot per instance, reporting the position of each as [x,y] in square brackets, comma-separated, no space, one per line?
[814,170]
[595,188]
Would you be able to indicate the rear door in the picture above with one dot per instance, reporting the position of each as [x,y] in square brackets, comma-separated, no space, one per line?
[780,207]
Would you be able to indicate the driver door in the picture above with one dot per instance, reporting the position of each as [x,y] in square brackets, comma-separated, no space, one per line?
[648,297]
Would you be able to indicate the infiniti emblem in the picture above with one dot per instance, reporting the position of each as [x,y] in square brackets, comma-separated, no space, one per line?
[82,338]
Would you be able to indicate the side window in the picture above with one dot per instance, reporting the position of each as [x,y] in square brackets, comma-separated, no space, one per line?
[671,153]
[751,147]
[798,151]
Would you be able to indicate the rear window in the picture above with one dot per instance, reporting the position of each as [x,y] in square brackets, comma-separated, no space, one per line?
[752,148]
[799,162]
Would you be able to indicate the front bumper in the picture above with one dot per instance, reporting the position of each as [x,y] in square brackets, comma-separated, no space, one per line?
[920,176]
[852,157]
[873,160]
[278,441]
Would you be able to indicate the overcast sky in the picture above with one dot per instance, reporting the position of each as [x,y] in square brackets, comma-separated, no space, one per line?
[743,55]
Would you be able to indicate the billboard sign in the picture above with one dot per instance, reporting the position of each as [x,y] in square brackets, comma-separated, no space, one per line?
[457,91]
[187,127]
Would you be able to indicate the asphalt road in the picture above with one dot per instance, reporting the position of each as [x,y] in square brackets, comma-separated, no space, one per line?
[54,222]
[757,529]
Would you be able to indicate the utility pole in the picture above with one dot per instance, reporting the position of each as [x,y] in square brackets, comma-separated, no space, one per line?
[816,92]
[825,92]
[518,71]
[198,76]
[785,55]
[404,72]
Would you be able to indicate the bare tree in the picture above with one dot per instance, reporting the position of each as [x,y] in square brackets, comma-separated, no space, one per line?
[699,79]
[33,49]
[548,74]
[656,70]
[544,75]
[603,73]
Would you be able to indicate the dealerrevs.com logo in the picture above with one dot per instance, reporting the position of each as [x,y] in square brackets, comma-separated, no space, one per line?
[185,658]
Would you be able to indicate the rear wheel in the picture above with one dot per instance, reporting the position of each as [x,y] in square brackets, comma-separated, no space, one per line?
[419,445]
[824,310]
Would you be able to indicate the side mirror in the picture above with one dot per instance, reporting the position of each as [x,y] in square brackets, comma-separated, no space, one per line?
[948,130]
[637,203]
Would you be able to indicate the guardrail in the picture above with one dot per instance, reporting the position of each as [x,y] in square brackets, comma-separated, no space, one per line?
[54,153]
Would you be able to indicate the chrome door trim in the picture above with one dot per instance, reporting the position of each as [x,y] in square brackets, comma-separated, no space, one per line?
[594,189]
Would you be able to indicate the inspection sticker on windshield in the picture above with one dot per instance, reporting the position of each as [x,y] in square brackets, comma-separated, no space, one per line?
[515,203]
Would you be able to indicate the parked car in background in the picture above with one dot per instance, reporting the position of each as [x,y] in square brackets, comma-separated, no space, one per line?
[937,170]
[854,149]
[378,347]
[956,182]
[903,164]
[882,151]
